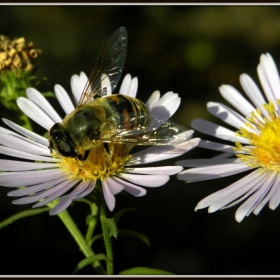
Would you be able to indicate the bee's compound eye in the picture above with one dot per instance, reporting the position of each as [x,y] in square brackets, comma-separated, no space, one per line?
[60,141]
[57,131]
[57,135]
[64,148]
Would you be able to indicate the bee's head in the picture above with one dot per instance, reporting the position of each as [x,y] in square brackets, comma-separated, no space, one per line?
[60,141]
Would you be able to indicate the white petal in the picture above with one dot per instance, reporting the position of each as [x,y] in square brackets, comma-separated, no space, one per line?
[63,99]
[106,85]
[247,207]
[222,156]
[183,136]
[35,113]
[24,155]
[26,139]
[88,190]
[227,115]
[77,190]
[15,135]
[153,99]
[43,194]
[114,186]
[165,107]
[21,144]
[55,192]
[271,193]
[38,187]
[158,153]
[269,78]
[235,98]
[219,196]
[212,172]
[166,99]
[275,199]
[239,192]
[253,93]
[132,90]
[13,165]
[61,206]
[27,133]
[125,84]
[145,180]
[206,162]
[130,188]
[37,98]
[210,145]
[218,131]
[109,197]
[25,178]
[77,85]
[83,80]
[129,86]
[167,170]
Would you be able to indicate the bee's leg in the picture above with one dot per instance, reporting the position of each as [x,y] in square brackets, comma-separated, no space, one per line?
[86,155]
[106,147]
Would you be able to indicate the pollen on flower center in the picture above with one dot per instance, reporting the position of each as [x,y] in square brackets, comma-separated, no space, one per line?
[264,137]
[102,161]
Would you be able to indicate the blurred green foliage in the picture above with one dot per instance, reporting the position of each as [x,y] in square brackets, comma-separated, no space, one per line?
[191,50]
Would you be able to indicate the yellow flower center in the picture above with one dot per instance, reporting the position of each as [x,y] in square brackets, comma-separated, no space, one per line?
[101,162]
[264,137]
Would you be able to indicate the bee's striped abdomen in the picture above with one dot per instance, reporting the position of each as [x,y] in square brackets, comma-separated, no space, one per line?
[128,112]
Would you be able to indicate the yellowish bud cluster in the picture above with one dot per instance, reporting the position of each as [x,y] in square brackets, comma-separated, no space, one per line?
[17,54]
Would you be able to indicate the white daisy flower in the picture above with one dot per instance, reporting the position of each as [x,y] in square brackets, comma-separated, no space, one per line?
[256,138]
[47,176]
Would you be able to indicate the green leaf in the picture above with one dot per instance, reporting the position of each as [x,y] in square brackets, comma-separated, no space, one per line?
[144,271]
[23,214]
[87,261]
[135,234]
[120,213]
[111,225]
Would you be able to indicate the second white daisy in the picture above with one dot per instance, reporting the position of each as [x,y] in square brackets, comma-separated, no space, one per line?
[256,138]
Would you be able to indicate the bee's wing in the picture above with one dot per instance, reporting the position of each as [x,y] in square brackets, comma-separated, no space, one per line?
[108,68]
[169,133]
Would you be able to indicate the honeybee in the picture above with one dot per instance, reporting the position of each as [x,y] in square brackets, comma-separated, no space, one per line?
[113,118]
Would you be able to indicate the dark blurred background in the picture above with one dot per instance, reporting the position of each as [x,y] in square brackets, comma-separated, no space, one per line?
[191,50]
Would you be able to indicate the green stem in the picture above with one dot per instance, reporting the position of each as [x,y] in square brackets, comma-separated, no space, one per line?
[107,238]
[23,214]
[93,219]
[92,223]
[79,238]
